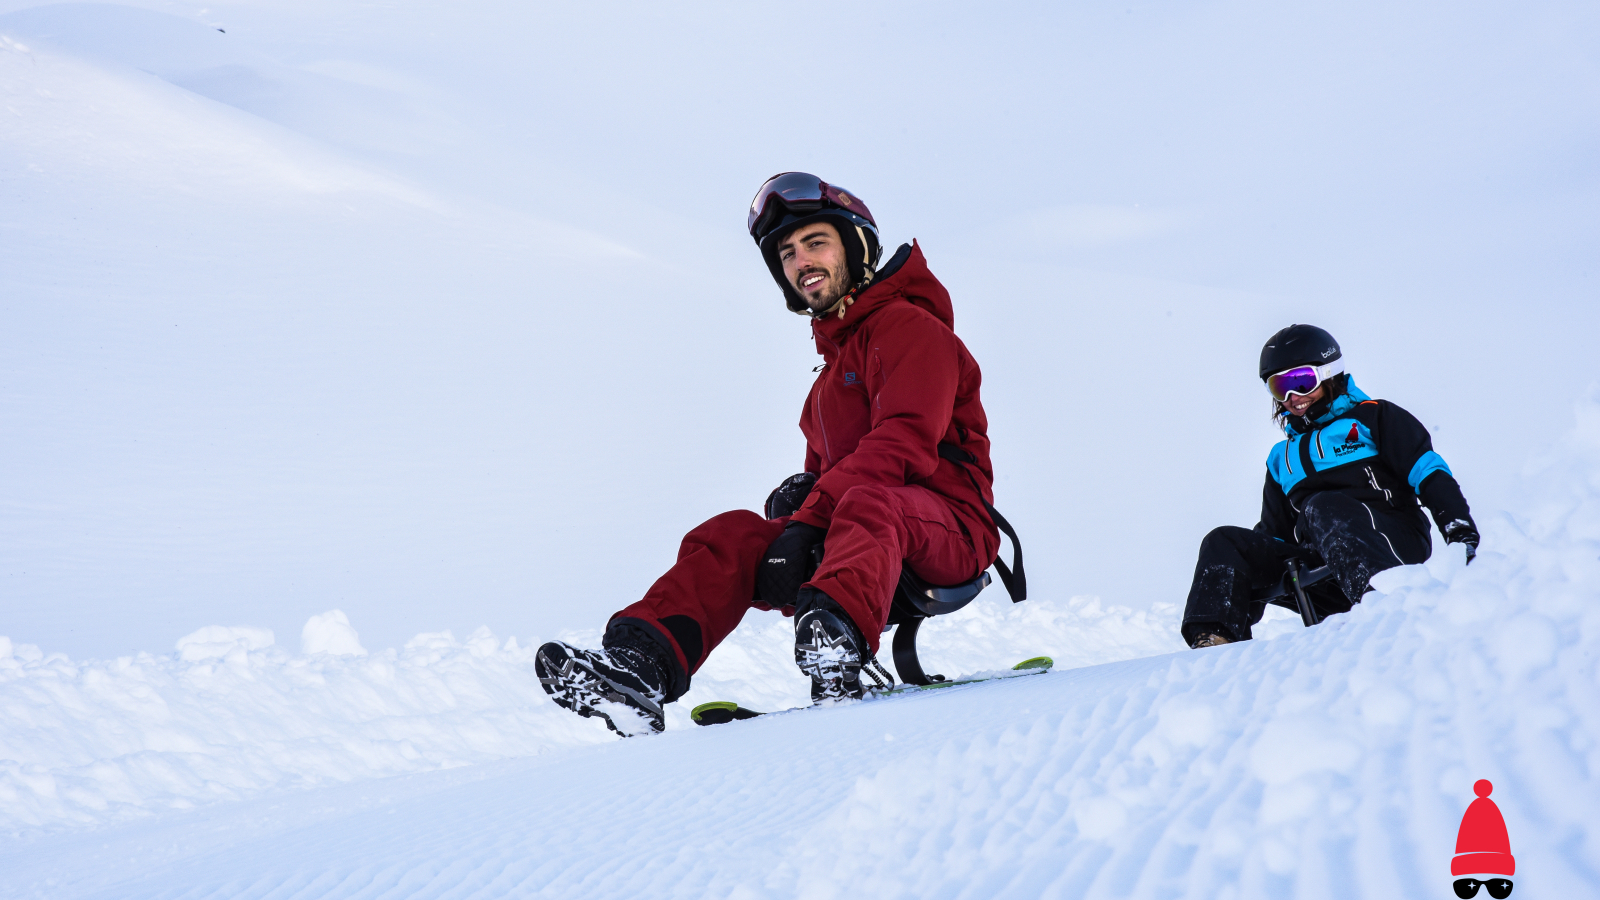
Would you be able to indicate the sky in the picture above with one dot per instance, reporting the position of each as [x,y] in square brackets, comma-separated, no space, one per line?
[444,314]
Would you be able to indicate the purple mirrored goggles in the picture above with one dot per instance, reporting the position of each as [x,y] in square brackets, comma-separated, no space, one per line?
[1301,379]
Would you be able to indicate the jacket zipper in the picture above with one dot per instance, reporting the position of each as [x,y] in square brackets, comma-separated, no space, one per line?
[822,421]
[1373,478]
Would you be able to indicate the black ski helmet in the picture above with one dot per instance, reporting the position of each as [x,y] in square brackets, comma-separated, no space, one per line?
[1298,345]
[791,199]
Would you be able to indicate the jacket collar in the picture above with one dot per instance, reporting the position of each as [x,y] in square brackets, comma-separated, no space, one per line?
[904,277]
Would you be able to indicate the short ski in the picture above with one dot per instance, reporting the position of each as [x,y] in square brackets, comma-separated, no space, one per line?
[719,712]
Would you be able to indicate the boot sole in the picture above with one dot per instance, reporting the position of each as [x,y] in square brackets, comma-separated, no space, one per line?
[574,684]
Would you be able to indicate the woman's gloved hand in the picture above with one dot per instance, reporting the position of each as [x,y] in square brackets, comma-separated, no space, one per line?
[1462,531]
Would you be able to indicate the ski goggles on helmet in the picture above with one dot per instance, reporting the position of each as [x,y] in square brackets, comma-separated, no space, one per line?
[798,192]
[1301,379]
[1467,888]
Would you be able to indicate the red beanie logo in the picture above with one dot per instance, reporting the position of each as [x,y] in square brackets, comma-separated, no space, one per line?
[1354,435]
[1482,846]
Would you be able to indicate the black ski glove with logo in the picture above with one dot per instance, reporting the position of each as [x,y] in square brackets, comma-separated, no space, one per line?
[788,563]
[1462,531]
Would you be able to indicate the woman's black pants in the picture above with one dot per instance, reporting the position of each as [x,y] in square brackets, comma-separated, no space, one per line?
[1357,540]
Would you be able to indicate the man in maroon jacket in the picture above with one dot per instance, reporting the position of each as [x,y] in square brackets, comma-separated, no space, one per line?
[897,473]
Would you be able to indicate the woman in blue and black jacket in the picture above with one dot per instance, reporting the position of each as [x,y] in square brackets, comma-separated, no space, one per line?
[1345,488]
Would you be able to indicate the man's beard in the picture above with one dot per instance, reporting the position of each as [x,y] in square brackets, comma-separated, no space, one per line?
[837,285]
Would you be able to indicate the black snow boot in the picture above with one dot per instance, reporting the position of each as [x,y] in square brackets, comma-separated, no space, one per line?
[829,649]
[623,684]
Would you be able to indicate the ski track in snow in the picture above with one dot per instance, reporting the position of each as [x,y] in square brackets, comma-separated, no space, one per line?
[1333,762]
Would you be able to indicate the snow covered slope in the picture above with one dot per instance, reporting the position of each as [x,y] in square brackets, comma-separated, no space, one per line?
[232,716]
[1331,762]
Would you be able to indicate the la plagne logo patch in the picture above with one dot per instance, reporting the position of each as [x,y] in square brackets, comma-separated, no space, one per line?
[1483,850]
[1352,441]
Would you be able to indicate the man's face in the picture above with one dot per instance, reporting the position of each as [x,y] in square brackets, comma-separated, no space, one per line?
[814,263]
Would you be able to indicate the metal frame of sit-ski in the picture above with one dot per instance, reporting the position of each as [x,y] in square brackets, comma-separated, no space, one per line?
[914,601]
[1294,583]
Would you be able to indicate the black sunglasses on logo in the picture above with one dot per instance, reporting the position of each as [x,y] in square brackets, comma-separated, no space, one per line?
[1467,888]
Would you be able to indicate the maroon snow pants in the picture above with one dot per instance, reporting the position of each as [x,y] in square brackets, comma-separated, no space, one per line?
[701,599]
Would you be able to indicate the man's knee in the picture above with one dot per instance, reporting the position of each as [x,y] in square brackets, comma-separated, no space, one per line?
[863,500]
[736,526]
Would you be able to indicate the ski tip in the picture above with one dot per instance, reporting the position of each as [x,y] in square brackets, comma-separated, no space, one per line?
[713,713]
[1038,662]
[718,712]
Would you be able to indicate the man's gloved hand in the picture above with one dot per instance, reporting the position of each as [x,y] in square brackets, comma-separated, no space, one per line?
[787,498]
[789,561]
[1462,531]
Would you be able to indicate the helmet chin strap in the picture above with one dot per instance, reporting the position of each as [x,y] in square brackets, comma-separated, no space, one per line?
[867,270]
[841,304]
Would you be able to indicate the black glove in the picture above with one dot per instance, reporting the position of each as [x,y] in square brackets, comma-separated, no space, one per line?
[789,561]
[787,498]
[1462,531]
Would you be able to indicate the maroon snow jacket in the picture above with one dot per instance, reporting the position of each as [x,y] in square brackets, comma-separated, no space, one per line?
[896,383]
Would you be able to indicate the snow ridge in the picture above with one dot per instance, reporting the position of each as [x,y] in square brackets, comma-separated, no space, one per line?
[231,715]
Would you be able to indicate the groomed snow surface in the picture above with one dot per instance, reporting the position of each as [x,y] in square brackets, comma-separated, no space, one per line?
[1334,762]
[231,715]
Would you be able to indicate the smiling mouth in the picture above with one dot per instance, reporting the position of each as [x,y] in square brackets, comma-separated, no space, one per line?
[812,280]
